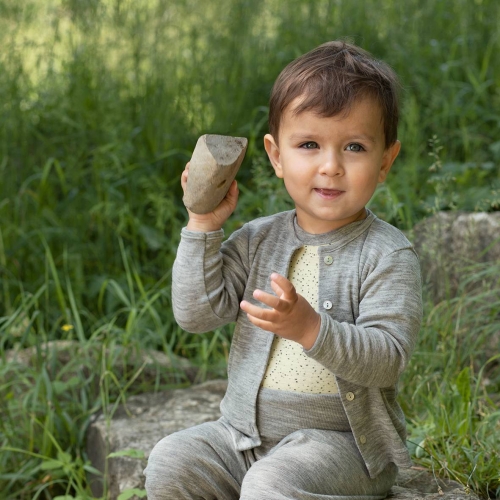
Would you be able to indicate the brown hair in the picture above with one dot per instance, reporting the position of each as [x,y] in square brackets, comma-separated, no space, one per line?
[331,77]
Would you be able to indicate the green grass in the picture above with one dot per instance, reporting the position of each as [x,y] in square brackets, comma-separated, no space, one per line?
[101,103]
[451,390]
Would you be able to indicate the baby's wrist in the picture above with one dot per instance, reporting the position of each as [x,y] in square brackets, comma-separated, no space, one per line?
[309,338]
[202,226]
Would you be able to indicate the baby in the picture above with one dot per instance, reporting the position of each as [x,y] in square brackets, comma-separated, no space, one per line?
[326,300]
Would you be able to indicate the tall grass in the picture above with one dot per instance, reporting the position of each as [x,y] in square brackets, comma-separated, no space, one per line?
[451,390]
[101,103]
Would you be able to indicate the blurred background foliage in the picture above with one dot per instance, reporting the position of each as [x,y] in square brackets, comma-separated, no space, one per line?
[101,104]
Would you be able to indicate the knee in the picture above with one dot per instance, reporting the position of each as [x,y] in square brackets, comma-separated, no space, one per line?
[263,480]
[162,455]
[164,468]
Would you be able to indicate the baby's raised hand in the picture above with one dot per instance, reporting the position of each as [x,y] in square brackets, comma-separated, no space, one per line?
[214,220]
[290,316]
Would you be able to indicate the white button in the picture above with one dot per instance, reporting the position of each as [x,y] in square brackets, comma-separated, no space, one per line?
[327,304]
[349,396]
[328,260]
[362,439]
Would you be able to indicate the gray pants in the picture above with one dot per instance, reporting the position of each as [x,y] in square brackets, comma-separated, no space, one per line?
[292,463]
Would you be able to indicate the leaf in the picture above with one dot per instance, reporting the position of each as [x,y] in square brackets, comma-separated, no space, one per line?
[92,470]
[51,465]
[132,453]
[420,451]
[64,457]
[463,384]
[125,495]
[58,386]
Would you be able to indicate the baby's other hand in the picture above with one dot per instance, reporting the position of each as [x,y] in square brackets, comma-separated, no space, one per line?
[213,221]
[290,316]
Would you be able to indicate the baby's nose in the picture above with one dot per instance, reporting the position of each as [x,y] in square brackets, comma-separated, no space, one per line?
[331,165]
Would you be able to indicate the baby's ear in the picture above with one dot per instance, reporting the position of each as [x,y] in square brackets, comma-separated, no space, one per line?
[273,152]
[390,155]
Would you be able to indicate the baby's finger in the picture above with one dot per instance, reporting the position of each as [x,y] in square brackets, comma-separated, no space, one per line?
[269,300]
[184,177]
[277,289]
[264,325]
[257,312]
[232,194]
[284,284]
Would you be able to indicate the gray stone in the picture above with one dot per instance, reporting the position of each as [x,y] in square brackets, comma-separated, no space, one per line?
[140,424]
[147,418]
[418,483]
[145,366]
[449,242]
[213,167]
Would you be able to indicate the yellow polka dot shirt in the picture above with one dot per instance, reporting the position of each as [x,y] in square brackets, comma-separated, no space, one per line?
[289,369]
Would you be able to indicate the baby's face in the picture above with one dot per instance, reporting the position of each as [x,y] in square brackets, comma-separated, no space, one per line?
[331,165]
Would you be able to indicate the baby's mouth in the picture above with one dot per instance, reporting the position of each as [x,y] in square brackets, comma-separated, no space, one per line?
[328,193]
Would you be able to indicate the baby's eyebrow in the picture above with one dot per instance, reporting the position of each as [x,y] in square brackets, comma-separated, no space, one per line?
[300,136]
[313,137]
[363,137]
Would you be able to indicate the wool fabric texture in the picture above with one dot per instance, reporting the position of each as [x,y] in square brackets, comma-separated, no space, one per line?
[370,306]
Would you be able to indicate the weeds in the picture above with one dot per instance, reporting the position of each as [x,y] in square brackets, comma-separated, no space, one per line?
[451,388]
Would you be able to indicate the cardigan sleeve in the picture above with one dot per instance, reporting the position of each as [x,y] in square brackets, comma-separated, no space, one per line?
[375,350]
[208,279]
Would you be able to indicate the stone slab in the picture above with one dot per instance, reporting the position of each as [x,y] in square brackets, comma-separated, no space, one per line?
[150,365]
[448,242]
[140,424]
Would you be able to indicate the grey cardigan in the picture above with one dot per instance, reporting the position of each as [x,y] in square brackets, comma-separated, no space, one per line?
[365,339]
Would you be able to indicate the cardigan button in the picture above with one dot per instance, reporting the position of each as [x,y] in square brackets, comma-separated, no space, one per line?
[362,439]
[327,305]
[349,396]
[328,260]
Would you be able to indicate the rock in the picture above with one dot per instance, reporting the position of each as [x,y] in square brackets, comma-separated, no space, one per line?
[213,167]
[140,424]
[149,417]
[417,484]
[450,241]
[144,365]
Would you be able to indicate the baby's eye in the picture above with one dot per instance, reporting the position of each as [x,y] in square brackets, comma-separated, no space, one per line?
[309,145]
[355,147]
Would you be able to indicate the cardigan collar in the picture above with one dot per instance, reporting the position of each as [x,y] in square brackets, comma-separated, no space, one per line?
[338,237]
